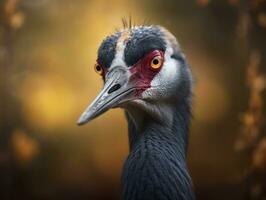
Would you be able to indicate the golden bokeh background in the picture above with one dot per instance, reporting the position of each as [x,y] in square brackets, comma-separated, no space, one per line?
[50,47]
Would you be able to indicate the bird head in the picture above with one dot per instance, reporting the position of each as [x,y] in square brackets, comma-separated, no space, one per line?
[141,67]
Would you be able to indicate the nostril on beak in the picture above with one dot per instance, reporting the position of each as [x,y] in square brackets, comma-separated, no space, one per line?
[114,88]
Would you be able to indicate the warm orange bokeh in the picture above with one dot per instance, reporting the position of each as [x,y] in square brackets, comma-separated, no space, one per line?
[51,55]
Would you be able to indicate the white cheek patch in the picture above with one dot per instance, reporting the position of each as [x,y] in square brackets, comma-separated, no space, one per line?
[169,70]
[120,49]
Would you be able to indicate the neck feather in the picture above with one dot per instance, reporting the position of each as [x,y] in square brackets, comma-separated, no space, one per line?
[156,166]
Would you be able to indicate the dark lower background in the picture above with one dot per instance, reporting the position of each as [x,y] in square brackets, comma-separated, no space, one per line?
[47,52]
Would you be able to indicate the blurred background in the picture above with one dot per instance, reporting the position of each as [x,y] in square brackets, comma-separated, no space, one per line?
[47,52]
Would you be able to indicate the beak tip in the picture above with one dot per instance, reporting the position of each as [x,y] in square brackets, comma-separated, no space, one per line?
[81,121]
[84,118]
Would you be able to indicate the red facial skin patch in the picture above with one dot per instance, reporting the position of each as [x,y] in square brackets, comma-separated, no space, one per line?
[142,73]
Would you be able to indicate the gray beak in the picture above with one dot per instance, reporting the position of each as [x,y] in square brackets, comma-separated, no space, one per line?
[116,91]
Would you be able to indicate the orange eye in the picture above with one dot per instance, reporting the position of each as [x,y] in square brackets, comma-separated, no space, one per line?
[98,69]
[156,62]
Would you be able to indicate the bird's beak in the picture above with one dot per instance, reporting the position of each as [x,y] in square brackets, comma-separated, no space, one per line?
[116,91]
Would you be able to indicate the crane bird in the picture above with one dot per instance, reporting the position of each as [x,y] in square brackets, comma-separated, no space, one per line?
[145,72]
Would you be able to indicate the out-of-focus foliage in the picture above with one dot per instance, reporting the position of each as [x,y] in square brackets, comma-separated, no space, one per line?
[47,52]
[24,147]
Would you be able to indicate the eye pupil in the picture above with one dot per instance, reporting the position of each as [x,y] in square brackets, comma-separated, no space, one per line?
[155,61]
[98,68]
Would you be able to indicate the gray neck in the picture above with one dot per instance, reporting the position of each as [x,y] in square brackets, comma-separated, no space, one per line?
[156,165]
